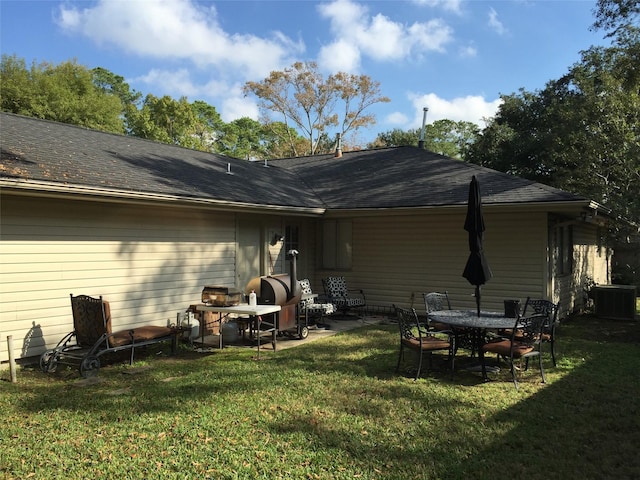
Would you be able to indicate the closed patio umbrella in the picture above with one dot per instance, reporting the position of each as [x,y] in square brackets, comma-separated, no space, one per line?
[477,270]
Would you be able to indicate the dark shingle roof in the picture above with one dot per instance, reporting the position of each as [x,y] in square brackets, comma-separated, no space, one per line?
[410,177]
[44,151]
[47,151]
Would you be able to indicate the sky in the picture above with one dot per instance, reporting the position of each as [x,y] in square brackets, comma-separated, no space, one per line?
[454,57]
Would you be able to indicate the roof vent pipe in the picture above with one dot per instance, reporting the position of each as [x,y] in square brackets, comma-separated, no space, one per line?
[338,145]
[424,125]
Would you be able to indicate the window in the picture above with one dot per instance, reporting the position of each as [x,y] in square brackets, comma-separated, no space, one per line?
[291,238]
[337,244]
[563,255]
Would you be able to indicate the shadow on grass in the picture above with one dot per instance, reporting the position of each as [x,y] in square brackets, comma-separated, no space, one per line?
[584,424]
[340,397]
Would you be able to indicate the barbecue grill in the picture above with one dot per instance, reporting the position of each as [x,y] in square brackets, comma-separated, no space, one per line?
[284,290]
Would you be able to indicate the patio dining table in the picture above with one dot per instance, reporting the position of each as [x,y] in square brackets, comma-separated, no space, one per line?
[478,325]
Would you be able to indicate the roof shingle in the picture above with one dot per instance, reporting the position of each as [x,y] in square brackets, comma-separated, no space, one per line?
[401,177]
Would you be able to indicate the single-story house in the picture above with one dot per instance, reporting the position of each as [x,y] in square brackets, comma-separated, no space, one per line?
[147,225]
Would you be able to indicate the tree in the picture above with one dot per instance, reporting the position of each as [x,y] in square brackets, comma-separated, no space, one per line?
[18,91]
[396,138]
[208,125]
[112,84]
[166,120]
[305,100]
[279,140]
[445,137]
[581,133]
[620,19]
[242,138]
[615,15]
[63,93]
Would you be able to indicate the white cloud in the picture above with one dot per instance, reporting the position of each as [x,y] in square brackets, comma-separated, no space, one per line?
[377,37]
[468,51]
[449,5]
[495,24]
[233,103]
[180,83]
[396,118]
[176,83]
[340,56]
[213,64]
[238,106]
[177,29]
[472,108]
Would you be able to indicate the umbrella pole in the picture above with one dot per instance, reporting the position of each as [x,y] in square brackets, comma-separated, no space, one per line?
[478,298]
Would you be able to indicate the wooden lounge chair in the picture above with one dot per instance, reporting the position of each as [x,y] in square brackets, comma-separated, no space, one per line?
[92,337]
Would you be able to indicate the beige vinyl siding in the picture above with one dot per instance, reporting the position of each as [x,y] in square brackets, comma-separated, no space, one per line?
[148,263]
[590,261]
[395,257]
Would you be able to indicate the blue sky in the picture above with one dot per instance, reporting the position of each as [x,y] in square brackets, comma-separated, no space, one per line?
[455,57]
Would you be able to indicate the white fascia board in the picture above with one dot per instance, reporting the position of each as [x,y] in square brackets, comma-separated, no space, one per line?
[46,189]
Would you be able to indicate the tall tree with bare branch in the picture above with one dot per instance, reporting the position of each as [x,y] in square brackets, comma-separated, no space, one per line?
[305,100]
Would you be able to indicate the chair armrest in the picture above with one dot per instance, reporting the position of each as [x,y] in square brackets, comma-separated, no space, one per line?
[334,298]
[357,291]
[425,330]
[322,298]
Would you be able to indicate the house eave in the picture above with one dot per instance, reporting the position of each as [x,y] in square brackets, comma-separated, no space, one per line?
[569,207]
[57,190]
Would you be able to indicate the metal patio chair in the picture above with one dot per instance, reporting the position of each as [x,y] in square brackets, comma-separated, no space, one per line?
[524,343]
[549,309]
[313,306]
[342,298]
[433,302]
[436,301]
[415,337]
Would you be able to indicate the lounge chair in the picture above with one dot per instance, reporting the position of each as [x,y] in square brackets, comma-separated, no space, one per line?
[92,337]
[312,305]
[342,298]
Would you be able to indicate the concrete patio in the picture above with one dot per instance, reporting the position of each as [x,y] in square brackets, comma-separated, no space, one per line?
[335,325]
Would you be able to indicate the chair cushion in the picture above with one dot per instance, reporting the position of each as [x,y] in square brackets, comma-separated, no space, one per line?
[305,286]
[326,308]
[503,347]
[440,326]
[337,286]
[428,343]
[140,334]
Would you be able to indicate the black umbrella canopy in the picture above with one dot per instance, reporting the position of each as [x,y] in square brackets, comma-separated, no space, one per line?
[477,270]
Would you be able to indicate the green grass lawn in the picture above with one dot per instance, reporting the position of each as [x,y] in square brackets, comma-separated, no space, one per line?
[332,409]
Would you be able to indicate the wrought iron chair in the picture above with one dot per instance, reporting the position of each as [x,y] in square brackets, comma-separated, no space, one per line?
[414,336]
[524,343]
[342,298]
[92,337]
[549,309]
[433,302]
[313,306]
